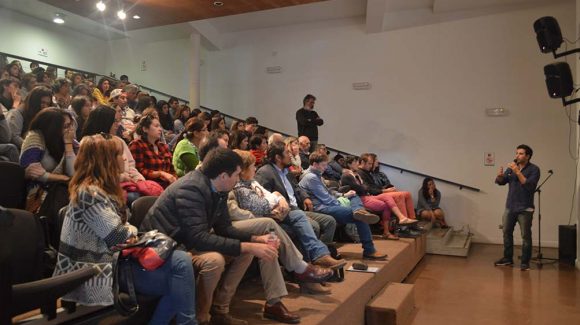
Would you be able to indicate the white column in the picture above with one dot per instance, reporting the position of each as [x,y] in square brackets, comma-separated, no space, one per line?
[194,70]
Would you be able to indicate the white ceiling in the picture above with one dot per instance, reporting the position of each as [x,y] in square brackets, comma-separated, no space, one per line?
[380,15]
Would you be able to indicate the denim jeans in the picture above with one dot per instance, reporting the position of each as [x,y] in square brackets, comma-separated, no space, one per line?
[344,215]
[524,218]
[175,283]
[314,248]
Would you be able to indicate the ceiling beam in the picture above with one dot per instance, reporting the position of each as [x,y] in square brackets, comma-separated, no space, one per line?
[213,37]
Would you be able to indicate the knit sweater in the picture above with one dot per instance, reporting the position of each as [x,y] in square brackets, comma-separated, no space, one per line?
[92,225]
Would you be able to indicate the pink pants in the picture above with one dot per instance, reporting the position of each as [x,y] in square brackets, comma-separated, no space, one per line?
[380,203]
[404,202]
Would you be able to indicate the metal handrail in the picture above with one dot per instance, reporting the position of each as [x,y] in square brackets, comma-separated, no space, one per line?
[401,169]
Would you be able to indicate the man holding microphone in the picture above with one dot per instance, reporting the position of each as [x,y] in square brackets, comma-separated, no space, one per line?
[522,177]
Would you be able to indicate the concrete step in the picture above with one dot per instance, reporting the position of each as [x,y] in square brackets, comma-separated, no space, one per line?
[448,242]
[394,305]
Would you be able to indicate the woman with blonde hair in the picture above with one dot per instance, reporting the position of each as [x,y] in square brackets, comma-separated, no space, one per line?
[96,221]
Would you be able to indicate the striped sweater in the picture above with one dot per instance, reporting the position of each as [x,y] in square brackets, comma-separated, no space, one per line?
[91,226]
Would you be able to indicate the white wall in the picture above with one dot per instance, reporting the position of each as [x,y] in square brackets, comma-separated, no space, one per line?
[167,63]
[425,111]
[26,36]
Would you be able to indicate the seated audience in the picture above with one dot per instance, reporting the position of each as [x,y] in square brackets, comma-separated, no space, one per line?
[77,79]
[252,196]
[275,137]
[48,158]
[14,70]
[104,119]
[185,155]
[144,103]
[250,200]
[304,153]
[61,91]
[372,198]
[206,118]
[131,90]
[180,118]
[28,83]
[251,125]
[173,107]
[329,174]
[81,106]
[428,202]
[82,90]
[102,91]
[337,163]
[295,167]
[325,201]
[239,140]
[96,220]
[9,94]
[165,117]
[258,147]
[8,151]
[218,123]
[402,198]
[20,118]
[275,177]
[194,211]
[152,157]
[238,126]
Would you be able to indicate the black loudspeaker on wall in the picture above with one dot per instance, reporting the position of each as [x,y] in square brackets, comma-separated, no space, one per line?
[548,34]
[567,244]
[559,80]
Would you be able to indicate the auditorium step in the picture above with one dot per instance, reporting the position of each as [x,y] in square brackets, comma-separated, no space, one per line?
[394,305]
[448,241]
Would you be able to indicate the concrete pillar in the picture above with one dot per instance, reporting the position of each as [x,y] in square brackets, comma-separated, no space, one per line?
[194,71]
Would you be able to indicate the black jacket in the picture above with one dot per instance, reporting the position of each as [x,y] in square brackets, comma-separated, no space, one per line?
[268,177]
[308,122]
[188,209]
[369,182]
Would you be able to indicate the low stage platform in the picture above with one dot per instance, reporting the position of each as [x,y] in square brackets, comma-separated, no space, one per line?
[347,303]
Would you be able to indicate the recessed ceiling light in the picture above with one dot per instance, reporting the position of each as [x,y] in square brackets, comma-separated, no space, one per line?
[121,14]
[101,6]
[58,18]
[136,17]
[218,3]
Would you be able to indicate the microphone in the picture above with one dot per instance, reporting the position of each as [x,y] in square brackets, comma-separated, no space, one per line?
[508,170]
[550,172]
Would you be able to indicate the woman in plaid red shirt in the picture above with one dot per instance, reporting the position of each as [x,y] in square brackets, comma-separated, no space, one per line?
[152,157]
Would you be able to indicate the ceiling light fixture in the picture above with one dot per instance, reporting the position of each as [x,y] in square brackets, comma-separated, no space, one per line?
[136,17]
[101,6]
[58,18]
[218,3]
[121,14]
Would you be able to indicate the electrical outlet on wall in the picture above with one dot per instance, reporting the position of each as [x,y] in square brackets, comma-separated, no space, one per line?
[43,53]
[143,65]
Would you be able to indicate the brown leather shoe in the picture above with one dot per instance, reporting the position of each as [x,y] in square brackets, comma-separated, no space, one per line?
[329,262]
[226,319]
[279,313]
[375,256]
[314,289]
[314,274]
[365,216]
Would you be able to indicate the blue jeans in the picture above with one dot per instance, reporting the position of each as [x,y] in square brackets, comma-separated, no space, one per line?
[524,218]
[314,248]
[356,203]
[175,283]
[344,215]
